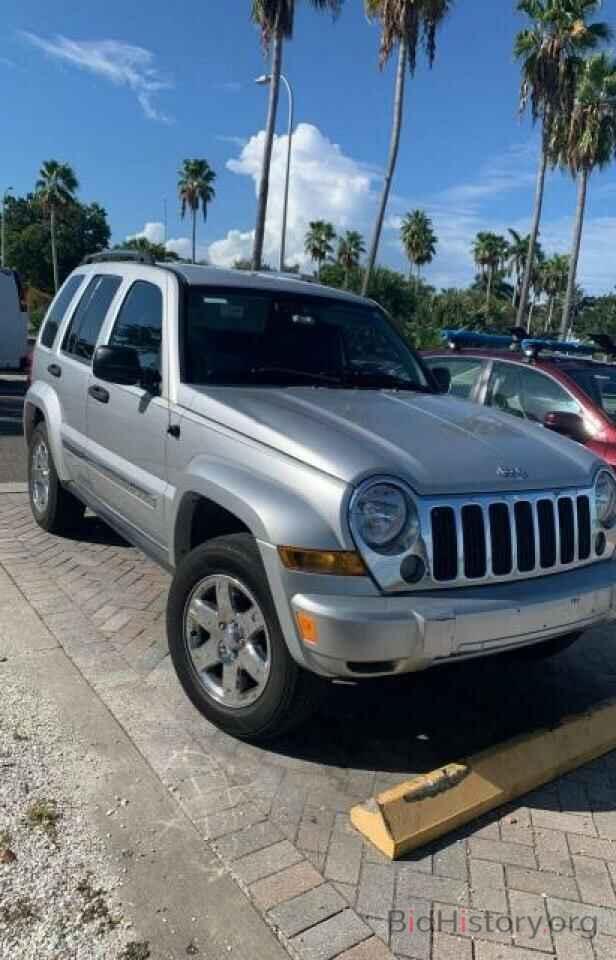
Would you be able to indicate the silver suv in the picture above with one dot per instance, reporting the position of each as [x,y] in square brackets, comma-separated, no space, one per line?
[324,508]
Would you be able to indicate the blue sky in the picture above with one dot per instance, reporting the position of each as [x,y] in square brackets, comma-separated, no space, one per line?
[76,88]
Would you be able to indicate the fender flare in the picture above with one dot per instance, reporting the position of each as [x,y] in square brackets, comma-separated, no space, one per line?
[272,511]
[41,397]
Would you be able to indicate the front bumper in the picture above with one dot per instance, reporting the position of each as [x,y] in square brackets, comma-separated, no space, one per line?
[377,636]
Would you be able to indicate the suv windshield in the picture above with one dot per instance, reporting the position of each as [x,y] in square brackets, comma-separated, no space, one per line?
[600,385]
[257,337]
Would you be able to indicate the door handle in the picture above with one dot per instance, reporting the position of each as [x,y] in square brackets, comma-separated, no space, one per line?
[99,393]
[55,370]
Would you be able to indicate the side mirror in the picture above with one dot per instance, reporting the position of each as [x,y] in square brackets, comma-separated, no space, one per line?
[443,379]
[567,424]
[117,365]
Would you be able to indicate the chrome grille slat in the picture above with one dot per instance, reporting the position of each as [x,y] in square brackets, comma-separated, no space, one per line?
[555,525]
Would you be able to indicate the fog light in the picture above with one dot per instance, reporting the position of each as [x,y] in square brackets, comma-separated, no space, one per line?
[412,569]
[600,544]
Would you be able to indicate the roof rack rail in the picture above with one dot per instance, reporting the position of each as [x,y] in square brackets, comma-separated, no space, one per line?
[532,347]
[605,343]
[120,256]
[456,339]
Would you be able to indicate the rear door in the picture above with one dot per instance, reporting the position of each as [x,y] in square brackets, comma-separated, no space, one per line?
[71,368]
[127,425]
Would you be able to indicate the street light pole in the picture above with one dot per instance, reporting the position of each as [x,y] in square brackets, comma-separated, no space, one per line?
[3,241]
[266,79]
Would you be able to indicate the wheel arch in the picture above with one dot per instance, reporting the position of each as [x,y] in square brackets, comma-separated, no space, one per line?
[43,406]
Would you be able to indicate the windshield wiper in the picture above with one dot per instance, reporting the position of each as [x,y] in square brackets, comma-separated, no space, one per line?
[290,372]
[384,381]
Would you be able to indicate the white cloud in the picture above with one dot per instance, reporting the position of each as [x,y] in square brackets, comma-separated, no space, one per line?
[122,63]
[239,142]
[326,184]
[153,232]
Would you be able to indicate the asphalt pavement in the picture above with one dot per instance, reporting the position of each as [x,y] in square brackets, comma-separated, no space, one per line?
[13,463]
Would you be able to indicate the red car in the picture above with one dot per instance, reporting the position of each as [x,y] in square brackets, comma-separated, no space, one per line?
[573,395]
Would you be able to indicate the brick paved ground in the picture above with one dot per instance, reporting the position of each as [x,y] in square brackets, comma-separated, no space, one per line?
[279,819]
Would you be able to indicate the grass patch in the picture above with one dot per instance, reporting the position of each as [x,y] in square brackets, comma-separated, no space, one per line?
[96,907]
[44,814]
[20,911]
[136,950]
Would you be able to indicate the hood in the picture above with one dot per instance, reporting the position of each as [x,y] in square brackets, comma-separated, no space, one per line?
[440,445]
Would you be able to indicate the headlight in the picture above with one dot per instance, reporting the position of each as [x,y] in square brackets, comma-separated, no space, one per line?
[605,499]
[384,517]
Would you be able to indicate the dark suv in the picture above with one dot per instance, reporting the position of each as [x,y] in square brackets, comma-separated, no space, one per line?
[573,395]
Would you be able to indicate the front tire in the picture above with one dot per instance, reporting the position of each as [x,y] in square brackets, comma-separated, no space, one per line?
[227,646]
[54,508]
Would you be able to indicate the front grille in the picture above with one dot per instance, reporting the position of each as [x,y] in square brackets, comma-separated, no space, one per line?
[509,537]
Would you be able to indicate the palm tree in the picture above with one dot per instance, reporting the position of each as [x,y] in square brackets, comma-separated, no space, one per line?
[319,242]
[56,188]
[553,282]
[516,260]
[195,189]
[275,20]
[490,252]
[418,239]
[549,52]
[591,145]
[536,284]
[404,23]
[350,248]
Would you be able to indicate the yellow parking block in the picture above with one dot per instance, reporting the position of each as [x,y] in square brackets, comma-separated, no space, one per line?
[420,810]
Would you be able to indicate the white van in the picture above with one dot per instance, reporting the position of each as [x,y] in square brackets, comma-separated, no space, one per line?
[13,322]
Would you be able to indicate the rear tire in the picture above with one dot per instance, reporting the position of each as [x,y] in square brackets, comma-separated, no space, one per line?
[55,509]
[211,639]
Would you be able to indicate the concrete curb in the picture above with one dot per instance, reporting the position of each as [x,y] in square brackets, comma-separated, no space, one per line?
[13,488]
[418,811]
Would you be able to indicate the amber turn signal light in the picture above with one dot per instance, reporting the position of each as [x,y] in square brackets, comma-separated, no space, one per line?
[342,563]
[307,628]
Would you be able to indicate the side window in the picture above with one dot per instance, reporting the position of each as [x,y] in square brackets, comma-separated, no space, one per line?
[543,395]
[84,328]
[505,391]
[57,310]
[140,325]
[464,373]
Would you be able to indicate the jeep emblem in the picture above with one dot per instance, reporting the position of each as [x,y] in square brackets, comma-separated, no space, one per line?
[511,473]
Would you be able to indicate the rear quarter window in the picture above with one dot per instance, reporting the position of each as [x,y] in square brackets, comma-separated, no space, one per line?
[57,311]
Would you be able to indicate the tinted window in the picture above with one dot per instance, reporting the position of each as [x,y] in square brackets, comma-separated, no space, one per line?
[286,339]
[58,308]
[88,318]
[140,324]
[464,372]
[600,385]
[543,395]
[527,393]
[506,389]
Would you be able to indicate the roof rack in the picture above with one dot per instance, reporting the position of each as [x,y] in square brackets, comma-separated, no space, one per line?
[456,339]
[519,340]
[534,346]
[605,343]
[120,256]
